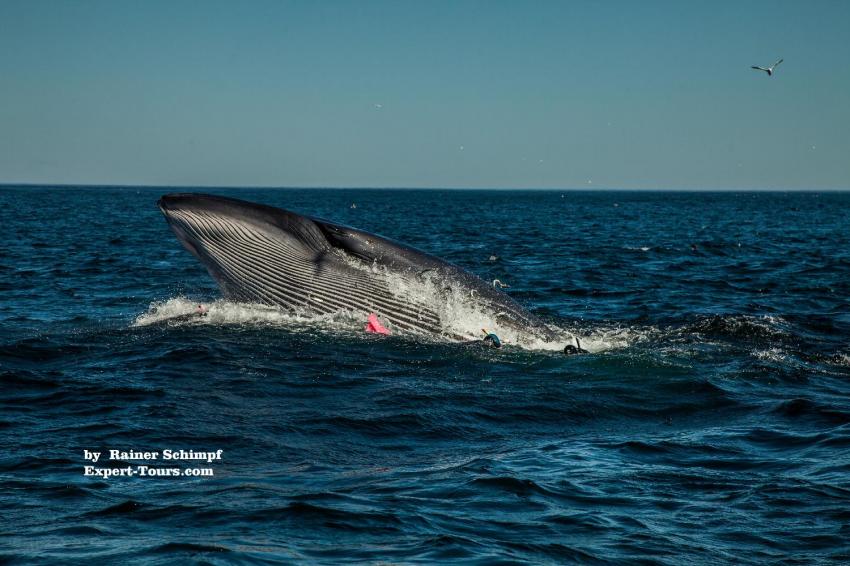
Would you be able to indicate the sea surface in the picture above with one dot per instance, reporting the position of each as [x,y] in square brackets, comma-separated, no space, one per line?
[709,424]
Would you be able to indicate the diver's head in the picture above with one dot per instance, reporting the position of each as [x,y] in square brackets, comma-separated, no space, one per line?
[491,339]
[570,350]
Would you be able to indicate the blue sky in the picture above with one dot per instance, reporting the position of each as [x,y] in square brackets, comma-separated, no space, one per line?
[572,94]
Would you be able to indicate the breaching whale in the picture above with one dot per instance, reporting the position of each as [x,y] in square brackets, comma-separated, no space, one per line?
[261,254]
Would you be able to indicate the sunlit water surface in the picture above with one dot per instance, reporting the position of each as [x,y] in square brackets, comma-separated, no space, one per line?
[710,423]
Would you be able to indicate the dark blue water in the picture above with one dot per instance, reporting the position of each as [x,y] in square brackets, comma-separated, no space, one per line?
[711,423]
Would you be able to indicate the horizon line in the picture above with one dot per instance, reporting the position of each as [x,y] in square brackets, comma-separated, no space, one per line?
[415,188]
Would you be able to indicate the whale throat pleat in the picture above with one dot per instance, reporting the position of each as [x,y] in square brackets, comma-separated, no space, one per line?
[290,264]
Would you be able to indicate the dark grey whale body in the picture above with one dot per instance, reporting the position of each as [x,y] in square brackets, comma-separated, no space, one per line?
[267,255]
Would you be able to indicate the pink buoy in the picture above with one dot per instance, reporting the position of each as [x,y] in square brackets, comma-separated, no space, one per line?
[374,325]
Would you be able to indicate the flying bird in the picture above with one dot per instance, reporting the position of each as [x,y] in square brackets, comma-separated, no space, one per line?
[768,70]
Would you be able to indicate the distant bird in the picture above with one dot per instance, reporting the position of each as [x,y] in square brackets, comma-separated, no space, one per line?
[500,284]
[768,70]
[378,106]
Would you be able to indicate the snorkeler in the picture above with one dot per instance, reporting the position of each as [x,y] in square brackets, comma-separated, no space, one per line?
[569,349]
[491,339]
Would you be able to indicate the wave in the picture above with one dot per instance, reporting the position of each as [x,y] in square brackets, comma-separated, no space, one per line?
[766,328]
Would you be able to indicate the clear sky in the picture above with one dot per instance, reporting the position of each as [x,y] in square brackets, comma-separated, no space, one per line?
[569,94]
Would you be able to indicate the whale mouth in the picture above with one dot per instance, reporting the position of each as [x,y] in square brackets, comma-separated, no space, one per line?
[264,255]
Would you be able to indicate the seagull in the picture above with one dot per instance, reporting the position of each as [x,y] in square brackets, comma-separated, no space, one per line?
[768,70]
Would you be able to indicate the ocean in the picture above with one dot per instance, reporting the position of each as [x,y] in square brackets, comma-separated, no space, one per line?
[709,423]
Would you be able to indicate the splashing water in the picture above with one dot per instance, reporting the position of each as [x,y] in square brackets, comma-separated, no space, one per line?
[463,318]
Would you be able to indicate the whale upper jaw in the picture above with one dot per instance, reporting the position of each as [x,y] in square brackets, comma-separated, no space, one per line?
[261,254]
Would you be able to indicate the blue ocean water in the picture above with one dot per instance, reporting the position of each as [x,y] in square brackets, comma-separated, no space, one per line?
[711,422]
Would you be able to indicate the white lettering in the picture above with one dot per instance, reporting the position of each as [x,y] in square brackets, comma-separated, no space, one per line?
[93,456]
[132,455]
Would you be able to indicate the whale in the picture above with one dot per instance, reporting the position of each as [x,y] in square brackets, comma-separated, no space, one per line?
[265,255]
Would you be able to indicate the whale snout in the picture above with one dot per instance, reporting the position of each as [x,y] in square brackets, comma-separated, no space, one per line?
[176,201]
[163,203]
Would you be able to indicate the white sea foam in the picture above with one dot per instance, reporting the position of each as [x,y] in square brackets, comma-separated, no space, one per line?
[181,310]
[461,317]
[770,355]
[464,315]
